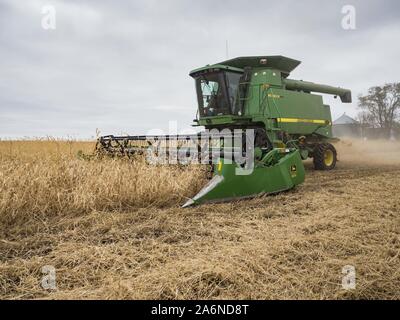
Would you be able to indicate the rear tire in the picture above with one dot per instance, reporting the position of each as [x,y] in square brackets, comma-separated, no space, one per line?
[325,156]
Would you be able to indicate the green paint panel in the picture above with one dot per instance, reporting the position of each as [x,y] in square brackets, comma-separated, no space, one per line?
[227,184]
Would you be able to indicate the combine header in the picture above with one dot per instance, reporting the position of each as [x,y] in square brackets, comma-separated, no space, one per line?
[259,126]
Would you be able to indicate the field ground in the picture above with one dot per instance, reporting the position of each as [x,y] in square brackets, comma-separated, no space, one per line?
[114,229]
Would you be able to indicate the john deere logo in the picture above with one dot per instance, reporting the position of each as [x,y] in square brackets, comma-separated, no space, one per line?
[293,170]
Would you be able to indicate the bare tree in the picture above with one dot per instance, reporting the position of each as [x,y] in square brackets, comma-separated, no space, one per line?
[381,106]
[365,118]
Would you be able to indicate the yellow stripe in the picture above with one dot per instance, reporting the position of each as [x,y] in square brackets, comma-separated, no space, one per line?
[219,166]
[275,96]
[295,120]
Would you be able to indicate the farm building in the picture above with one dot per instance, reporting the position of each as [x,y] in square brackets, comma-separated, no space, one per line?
[371,133]
[345,126]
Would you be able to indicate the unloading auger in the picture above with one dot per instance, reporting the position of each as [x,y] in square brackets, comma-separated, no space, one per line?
[288,124]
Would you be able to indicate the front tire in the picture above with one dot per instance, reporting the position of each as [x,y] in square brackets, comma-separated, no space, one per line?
[325,156]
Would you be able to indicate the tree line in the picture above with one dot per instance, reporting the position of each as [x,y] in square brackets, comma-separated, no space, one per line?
[380,108]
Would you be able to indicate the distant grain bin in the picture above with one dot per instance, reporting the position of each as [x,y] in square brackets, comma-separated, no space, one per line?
[345,126]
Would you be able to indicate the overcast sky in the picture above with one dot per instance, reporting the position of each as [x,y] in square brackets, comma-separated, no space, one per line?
[122,66]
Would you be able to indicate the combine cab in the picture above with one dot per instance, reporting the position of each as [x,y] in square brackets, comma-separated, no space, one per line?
[259,126]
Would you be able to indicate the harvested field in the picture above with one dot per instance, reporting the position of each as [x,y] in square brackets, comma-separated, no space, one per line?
[114,229]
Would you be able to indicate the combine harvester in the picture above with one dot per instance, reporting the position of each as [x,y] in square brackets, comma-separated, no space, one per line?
[287,124]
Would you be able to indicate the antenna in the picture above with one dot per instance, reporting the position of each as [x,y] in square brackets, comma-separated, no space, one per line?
[226,48]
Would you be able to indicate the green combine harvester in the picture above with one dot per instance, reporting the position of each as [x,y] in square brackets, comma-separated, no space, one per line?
[287,122]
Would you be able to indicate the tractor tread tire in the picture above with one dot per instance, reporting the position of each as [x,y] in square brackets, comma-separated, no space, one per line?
[319,156]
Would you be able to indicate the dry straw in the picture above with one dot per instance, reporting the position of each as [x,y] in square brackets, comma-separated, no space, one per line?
[114,229]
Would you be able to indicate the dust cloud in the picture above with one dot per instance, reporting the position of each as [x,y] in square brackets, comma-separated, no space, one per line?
[374,152]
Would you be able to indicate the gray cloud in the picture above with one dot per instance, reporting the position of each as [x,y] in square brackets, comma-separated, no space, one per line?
[123,67]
